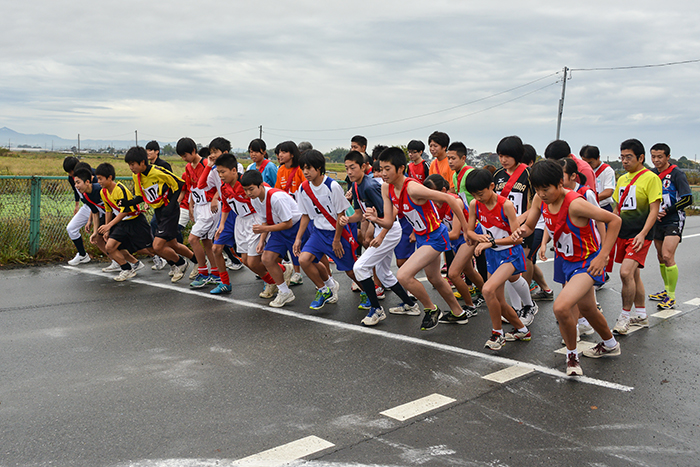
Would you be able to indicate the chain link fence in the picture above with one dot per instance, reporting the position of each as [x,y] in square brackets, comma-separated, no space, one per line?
[34,212]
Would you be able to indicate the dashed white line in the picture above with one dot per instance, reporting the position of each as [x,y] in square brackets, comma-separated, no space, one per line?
[286,453]
[581,346]
[694,302]
[508,374]
[418,407]
[665,314]
[371,331]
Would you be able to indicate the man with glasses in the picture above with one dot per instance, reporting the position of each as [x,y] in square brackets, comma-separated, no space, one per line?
[638,197]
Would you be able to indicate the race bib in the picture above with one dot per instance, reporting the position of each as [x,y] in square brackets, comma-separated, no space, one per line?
[565,245]
[151,193]
[517,200]
[199,197]
[415,220]
[241,209]
[630,202]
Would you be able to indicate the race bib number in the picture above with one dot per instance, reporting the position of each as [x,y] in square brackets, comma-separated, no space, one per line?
[517,200]
[415,220]
[198,196]
[565,245]
[630,203]
[241,209]
[447,223]
[151,193]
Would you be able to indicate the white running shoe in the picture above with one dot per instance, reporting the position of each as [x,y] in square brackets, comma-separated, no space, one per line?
[334,289]
[288,273]
[296,279]
[404,309]
[269,291]
[622,326]
[282,298]
[125,274]
[171,273]
[179,271]
[374,316]
[158,263]
[114,267]
[585,329]
[194,272]
[78,259]
[137,266]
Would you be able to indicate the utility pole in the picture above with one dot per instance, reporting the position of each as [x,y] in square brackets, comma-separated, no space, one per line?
[136,135]
[78,144]
[260,131]
[561,101]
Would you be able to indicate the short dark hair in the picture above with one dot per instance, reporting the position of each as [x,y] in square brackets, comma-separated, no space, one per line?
[106,170]
[436,182]
[227,160]
[83,174]
[439,138]
[571,168]
[251,177]
[204,152]
[557,149]
[359,139]
[69,163]
[185,146]
[582,151]
[529,154]
[222,144]
[315,159]
[459,148]
[305,146]
[416,145]
[153,146]
[355,156]
[377,150]
[257,145]
[395,156]
[136,154]
[511,146]
[546,173]
[591,152]
[662,147]
[292,148]
[634,145]
[82,165]
[478,179]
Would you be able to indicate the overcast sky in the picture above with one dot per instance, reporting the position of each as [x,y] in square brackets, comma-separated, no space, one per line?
[324,70]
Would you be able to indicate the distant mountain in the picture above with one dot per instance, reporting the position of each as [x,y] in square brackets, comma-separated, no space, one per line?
[9,137]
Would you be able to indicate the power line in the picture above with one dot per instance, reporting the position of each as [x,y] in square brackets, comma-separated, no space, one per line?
[425,114]
[683,62]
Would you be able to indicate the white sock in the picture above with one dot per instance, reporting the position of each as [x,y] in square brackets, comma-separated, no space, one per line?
[513,295]
[522,288]
[497,331]
[283,287]
[329,283]
[583,322]
[610,343]
[569,352]
[641,312]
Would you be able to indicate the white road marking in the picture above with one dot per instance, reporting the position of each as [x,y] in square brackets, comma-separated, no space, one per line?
[665,314]
[286,453]
[365,330]
[418,407]
[694,302]
[691,236]
[581,346]
[508,374]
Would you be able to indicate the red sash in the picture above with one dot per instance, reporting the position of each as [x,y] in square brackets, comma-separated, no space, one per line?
[263,165]
[627,190]
[663,174]
[114,207]
[290,179]
[347,234]
[563,213]
[460,176]
[268,205]
[600,169]
[513,178]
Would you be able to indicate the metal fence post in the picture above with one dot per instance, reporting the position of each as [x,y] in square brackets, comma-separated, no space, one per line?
[35,215]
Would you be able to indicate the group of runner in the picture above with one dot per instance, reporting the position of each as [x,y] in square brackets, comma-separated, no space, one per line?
[490,226]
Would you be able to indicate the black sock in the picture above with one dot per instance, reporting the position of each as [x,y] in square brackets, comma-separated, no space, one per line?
[481,267]
[368,288]
[78,242]
[402,294]
[180,261]
[170,263]
[126,266]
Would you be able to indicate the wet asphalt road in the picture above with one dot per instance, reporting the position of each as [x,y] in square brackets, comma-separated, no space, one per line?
[149,373]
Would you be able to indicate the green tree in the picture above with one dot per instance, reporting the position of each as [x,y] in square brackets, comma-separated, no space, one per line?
[337,154]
